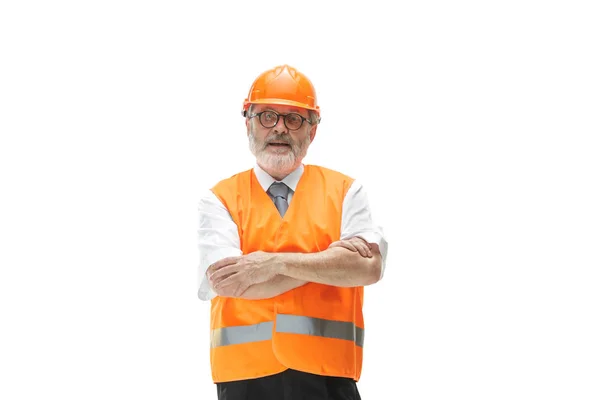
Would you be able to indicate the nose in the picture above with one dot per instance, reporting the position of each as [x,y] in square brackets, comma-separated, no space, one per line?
[280,126]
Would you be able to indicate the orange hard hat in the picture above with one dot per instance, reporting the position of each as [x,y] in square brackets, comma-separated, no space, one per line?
[282,85]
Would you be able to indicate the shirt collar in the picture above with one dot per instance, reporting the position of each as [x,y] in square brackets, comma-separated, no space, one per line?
[266,180]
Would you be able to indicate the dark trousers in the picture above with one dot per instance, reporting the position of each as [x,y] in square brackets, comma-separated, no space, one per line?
[290,385]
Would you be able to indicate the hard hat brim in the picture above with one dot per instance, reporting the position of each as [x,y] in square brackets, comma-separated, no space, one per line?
[282,102]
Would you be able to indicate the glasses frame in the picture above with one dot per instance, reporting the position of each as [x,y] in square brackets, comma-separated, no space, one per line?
[259,114]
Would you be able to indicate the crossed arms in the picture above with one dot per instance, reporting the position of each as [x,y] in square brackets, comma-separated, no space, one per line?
[356,260]
[261,275]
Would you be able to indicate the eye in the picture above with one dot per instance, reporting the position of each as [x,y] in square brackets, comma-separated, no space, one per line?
[294,119]
[269,117]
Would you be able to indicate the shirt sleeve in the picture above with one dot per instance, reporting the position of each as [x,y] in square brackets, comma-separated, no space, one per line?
[357,220]
[217,238]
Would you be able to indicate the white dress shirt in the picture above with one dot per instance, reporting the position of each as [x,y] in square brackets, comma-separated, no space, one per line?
[218,234]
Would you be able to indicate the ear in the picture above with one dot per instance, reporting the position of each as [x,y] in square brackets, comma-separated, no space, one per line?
[313,132]
[248,126]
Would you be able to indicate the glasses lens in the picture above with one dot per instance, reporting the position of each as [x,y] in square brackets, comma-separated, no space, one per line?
[268,119]
[293,121]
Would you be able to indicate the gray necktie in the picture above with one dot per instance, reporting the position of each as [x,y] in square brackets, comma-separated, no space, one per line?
[279,192]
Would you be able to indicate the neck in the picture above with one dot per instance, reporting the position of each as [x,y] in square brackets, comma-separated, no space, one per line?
[277,173]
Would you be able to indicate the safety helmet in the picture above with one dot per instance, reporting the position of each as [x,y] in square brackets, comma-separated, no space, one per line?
[283,85]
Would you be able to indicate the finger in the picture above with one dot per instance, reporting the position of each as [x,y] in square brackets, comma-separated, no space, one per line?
[222,263]
[364,245]
[220,274]
[367,250]
[232,280]
[226,291]
[220,279]
[241,289]
[228,288]
[345,244]
[362,249]
[224,272]
[359,239]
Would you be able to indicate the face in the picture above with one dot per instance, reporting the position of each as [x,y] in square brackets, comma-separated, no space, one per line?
[279,150]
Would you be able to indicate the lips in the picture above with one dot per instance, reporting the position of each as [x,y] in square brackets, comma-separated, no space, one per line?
[278,144]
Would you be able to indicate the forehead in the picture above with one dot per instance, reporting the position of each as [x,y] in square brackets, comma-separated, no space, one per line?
[278,108]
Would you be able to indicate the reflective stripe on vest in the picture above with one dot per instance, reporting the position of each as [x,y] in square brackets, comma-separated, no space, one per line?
[241,334]
[288,324]
[320,327]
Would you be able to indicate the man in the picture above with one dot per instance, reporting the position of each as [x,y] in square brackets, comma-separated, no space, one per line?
[285,251]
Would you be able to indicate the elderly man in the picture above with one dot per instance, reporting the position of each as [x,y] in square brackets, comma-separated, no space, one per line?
[285,252]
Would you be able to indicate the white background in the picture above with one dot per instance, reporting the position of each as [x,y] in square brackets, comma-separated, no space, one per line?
[473,124]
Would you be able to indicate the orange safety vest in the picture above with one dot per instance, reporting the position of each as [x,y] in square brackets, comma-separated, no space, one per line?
[315,328]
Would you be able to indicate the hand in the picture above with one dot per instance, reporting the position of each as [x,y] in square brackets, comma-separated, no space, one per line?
[354,244]
[232,276]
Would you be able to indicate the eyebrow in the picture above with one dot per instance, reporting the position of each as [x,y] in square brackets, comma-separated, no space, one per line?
[295,110]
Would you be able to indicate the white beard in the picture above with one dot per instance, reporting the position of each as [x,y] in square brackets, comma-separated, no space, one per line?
[282,163]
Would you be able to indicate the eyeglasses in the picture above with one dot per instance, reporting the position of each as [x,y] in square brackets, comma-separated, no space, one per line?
[268,119]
